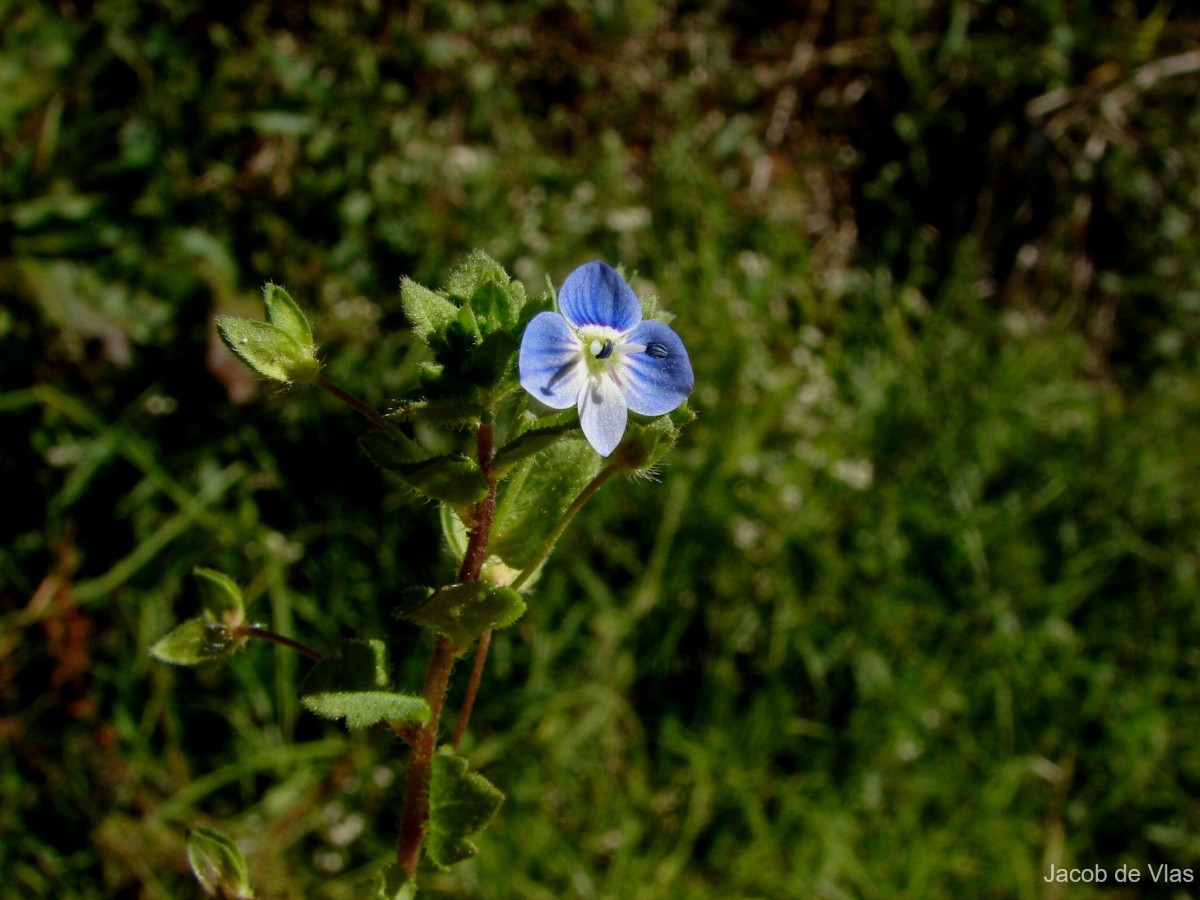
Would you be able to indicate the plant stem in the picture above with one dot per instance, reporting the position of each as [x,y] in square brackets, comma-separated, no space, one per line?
[416,797]
[485,639]
[464,714]
[576,505]
[353,402]
[257,631]
[416,794]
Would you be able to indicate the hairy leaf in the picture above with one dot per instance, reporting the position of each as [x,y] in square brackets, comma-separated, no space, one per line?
[462,612]
[267,349]
[355,686]
[286,315]
[429,313]
[461,803]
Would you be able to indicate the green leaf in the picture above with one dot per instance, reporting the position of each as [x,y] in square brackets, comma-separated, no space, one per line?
[429,313]
[461,803]
[542,303]
[495,308]
[646,443]
[267,349]
[393,883]
[528,444]
[220,597]
[477,270]
[454,531]
[196,641]
[286,315]
[453,412]
[355,686]
[450,479]
[492,360]
[462,612]
[649,305]
[536,494]
[218,864]
[468,325]
[392,450]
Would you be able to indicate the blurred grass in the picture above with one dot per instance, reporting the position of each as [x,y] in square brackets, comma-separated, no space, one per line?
[912,612]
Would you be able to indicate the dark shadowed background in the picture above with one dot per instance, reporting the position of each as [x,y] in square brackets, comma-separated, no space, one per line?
[912,610]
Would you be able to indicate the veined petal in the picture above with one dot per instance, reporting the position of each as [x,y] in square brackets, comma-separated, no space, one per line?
[551,361]
[602,413]
[657,372]
[595,294]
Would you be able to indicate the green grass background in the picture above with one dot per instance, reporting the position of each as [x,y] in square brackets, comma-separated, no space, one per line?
[912,611]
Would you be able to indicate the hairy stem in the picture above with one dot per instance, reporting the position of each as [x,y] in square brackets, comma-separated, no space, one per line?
[354,403]
[257,631]
[416,797]
[464,714]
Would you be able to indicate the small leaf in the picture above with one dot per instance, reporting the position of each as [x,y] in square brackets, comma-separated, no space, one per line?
[477,270]
[220,597]
[412,598]
[468,325]
[649,306]
[286,315]
[196,641]
[355,686]
[531,442]
[646,443]
[362,709]
[454,531]
[450,479]
[392,450]
[264,347]
[461,803]
[462,612]
[393,883]
[495,308]
[429,313]
[536,494]
[542,303]
[451,412]
[218,864]
[492,360]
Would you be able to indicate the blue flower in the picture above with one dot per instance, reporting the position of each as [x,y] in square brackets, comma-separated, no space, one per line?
[599,356]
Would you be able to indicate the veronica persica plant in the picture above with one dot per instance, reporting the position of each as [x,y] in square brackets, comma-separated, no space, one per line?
[597,355]
[480,434]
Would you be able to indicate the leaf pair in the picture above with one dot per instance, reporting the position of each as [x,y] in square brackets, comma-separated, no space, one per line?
[213,634]
[280,348]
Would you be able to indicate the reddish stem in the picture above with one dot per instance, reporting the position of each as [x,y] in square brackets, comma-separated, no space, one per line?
[416,797]
[257,631]
[464,714]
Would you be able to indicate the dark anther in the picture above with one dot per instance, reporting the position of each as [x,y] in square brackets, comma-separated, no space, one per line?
[606,350]
[657,350]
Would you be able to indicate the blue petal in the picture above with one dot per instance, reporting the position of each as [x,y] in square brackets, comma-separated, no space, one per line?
[594,294]
[551,361]
[602,414]
[658,378]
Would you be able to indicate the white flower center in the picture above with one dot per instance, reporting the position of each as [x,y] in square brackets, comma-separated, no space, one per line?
[602,350]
